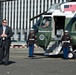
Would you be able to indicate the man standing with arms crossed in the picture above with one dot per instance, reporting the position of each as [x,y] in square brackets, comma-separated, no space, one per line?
[5,41]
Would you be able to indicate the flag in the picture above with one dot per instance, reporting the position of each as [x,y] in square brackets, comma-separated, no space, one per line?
[70,7]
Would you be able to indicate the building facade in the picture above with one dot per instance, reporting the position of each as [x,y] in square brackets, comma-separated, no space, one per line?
[19,12]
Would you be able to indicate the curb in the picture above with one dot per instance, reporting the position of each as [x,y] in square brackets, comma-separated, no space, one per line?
[21,46]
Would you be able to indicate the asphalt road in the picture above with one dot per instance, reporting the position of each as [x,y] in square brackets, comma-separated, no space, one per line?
[21,64]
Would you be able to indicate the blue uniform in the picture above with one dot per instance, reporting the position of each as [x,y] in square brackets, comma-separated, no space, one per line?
[31,41]
[31,50]
[66,39]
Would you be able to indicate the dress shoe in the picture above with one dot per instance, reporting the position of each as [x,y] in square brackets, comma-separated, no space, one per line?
[1,63]
[6,64]
[31,56]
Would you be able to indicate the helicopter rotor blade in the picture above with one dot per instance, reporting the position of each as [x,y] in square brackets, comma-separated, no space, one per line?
[38,15]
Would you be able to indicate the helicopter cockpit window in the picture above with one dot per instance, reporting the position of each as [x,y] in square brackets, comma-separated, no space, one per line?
[45,22]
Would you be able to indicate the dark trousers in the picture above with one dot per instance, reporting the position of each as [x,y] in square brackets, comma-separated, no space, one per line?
[4,53]
[65,52]
[31,50]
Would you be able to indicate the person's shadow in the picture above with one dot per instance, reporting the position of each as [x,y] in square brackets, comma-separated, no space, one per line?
[48,56]
[11,62]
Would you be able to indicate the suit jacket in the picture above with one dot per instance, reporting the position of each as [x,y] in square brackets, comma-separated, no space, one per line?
[9,34]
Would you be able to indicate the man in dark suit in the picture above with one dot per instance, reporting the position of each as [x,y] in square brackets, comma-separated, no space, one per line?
[5,41]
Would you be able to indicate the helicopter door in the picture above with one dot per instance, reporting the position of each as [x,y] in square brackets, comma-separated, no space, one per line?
[44,32]
[59,25]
